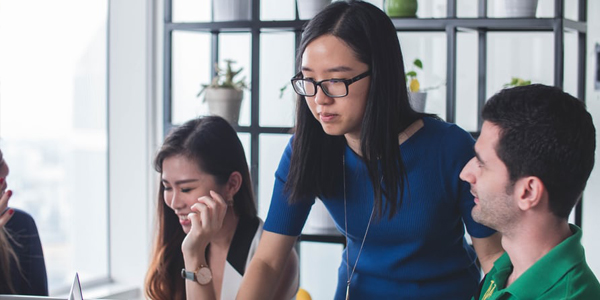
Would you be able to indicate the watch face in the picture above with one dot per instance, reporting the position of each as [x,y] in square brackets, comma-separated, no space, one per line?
[204,275]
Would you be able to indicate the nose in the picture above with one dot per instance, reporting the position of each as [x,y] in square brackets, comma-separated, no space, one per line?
[321,98]
[174,200]
[467,172]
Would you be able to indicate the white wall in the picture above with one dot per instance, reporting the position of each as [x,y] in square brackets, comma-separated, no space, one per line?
[132,125]
[591,204]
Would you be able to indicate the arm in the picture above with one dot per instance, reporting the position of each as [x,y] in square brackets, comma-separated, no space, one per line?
[207,219]
[488,250]
[266,270]
[290,279]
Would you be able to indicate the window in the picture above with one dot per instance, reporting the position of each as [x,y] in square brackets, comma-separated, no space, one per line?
[53,129]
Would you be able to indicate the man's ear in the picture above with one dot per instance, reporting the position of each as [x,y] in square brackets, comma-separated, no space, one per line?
[233,184]
[529,192]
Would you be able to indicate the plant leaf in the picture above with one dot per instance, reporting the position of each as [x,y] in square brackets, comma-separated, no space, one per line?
[418,63]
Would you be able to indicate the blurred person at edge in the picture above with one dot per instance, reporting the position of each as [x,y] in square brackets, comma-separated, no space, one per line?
[22,266]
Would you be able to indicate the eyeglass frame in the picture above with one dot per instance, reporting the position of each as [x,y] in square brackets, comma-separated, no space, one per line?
[347,82]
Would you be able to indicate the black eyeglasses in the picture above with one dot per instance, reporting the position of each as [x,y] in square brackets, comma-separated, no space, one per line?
[334,87]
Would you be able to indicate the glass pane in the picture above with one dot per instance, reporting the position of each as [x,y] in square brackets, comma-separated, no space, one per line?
[236,46]
[430,48]
[466,80]
[276,68]
[571,55]
[191,10]
[271,149]
[432,9]
[190,69]
[529,56]
[271,10]
[319,263]
[467,8]
[54,131]
[245,139]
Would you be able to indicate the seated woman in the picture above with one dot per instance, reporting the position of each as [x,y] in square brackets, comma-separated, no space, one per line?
[207,219]
[22,266]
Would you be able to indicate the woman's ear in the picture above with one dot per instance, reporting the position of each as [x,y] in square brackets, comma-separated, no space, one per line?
[530,192]
[233,184]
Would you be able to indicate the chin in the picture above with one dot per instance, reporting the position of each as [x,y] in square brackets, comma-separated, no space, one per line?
[186,229]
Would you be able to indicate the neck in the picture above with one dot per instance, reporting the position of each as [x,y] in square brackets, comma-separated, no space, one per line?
[223,238]
[353,140]
[530,242]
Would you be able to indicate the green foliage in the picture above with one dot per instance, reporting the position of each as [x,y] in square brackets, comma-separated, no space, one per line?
[412,73]
[516,81]
[225,78]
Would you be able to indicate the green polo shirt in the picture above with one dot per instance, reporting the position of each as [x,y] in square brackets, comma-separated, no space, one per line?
[561,274]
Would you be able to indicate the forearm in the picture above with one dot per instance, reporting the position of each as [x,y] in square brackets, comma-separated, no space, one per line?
[193,289]
[488,250]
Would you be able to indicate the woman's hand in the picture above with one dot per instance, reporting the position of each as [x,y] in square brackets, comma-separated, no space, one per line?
[5,212]
[207,219]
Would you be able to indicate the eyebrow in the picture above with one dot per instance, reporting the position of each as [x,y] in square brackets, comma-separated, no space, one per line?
[478,157]
[181,181]
[331,70]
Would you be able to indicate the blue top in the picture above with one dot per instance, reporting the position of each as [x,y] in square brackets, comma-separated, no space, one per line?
[31,279]
[421,252]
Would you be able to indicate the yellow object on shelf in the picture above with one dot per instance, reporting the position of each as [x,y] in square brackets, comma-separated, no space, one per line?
[303,295]
[414,85]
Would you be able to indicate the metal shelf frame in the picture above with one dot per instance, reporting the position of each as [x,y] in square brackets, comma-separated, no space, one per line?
[450,25]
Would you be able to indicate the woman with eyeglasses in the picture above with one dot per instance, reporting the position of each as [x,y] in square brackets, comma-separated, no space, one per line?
[208,229]
[22,265]
[388,175]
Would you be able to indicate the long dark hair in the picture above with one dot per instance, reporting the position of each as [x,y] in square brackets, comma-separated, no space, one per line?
[317,157]
[214,145]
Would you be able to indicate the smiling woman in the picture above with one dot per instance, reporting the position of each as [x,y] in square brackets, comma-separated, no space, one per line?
[207,218]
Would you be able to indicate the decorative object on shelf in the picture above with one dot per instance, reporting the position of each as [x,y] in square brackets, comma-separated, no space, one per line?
[417,95]
[223,94]
[516,8]
[401,8]
[516,81]
[319,221]
[232,10]
[307,9]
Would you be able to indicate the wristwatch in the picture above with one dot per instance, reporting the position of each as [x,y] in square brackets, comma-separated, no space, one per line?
[203,275]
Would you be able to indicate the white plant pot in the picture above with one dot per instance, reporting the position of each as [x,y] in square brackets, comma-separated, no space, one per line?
[225,103]
[516,8]
[307,9]
[232,10]
[319,220]
[418,100]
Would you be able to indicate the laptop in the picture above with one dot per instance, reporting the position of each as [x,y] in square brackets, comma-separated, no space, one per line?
[76,293]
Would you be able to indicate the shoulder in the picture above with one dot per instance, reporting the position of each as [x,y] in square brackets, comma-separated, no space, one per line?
[451,139]
[21,222]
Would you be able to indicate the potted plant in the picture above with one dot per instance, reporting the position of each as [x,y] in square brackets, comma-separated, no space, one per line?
[516,8]
[224,94]
[516,81]
[401,8]
[231,10]
[417,95]
[307,9]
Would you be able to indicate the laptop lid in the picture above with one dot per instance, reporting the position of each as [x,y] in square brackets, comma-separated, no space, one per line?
[76,293]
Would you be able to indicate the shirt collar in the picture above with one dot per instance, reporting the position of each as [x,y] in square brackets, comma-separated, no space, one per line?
[549,269]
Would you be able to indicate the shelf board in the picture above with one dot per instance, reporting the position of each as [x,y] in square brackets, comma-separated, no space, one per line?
[487,24]
[401,24]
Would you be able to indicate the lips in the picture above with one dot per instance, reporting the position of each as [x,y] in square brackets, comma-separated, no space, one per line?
[184,220]
[327,117]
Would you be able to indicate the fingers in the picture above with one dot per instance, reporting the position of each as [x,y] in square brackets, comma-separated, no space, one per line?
[6,216]
[211,209]
[4,197]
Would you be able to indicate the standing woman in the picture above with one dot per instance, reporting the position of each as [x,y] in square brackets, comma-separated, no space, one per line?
[22,265]
[387,174]
[207,222]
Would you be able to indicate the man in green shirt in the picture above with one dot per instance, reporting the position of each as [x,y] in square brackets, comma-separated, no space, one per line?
[532,161]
